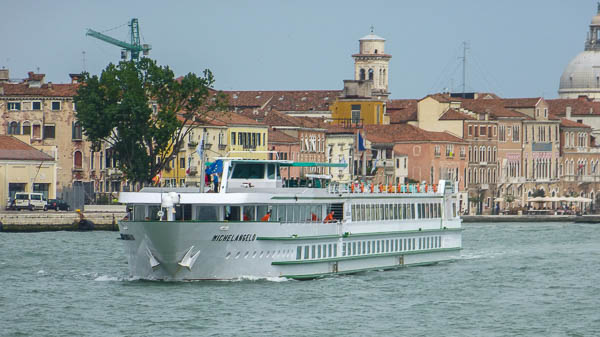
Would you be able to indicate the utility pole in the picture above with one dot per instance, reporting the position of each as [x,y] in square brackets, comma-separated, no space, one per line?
[464,64]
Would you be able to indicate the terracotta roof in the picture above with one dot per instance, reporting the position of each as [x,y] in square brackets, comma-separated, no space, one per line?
[293,100]
[402,110]
[494,107]
[224,118]
[521,102]
[46,90]
[579,106]
[339,129]
[395,133]
[571,124]
[281,137]
[454,115]
[13,148]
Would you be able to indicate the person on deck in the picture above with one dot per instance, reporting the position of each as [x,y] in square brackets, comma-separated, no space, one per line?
[328,218]
[266,217]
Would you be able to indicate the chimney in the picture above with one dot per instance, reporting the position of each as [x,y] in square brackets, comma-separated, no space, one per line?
[4,75]
[568,112]
[75,78]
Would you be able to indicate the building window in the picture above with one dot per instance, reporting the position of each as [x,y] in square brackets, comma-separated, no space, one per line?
[36,105]
[77,160]
[77,133]
[182,163]
[470,130]
[362,75]
[55,106]
[14,128]
[26,128]
[14,106]
[233,138]
[436,151]
[49,132]
[370,74]
[515,133]
[355,113]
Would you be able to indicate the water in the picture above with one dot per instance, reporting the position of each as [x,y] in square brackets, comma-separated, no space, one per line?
[537,279]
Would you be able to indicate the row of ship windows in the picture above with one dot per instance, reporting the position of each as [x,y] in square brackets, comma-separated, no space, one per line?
[355,248]
[286,253]
[370,212]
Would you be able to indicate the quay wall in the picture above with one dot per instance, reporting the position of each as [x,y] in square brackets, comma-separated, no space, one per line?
[40,221]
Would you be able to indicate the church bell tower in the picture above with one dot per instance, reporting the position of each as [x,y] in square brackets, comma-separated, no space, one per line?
[372,63]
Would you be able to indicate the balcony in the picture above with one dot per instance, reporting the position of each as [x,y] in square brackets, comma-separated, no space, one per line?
[193,170]
[207,146]
[541,147]
[113,172]
[192,144]
[581,178]
[222,147]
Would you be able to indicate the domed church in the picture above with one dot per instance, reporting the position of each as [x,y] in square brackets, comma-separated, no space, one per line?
[582,76]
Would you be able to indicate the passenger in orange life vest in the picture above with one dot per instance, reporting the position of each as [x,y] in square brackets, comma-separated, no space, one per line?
[328,218]
[313,217]
[246,217]
[266,217]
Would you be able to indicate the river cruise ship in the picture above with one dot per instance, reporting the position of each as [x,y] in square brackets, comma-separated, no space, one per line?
[255,227]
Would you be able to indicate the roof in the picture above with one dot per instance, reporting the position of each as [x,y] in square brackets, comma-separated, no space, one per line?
[45,90]
[521,102]
[281,137]
[494,107]
[293,100]
[371,37]
[13,148]
[571,124]
[578,106]
[402,110]
[224,118]
[455,115]
[397,133]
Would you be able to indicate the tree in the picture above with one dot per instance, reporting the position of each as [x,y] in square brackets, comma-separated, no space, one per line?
[538,193]
[143,113]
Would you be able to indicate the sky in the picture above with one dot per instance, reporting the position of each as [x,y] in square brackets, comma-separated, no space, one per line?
[516,48]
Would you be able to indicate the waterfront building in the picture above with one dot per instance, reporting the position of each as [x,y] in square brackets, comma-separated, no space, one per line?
[24,168]
[430,155]
[579,170]
[45,114]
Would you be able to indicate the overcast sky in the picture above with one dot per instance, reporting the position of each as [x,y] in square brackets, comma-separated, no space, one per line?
[516,48]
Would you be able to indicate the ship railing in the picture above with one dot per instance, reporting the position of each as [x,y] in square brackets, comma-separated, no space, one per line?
[336,188]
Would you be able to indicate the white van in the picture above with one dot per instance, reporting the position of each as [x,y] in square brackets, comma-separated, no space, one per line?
[29,201]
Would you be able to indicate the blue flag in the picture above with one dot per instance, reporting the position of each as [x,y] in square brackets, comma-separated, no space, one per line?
[216,167]
[361,143]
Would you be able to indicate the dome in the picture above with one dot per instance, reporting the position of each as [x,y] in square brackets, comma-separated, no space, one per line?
[372,37]
[582,75]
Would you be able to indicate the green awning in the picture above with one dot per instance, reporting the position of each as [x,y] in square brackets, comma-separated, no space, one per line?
[313,164]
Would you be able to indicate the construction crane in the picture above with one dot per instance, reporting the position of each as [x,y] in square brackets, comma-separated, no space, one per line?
[134,48]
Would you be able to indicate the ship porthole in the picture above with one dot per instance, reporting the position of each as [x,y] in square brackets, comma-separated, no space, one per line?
[228,255]
[267,254]
[261,254]
[237,256]
[254,255]
[246,255]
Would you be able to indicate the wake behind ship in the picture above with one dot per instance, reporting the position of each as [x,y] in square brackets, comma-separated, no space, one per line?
[255,227]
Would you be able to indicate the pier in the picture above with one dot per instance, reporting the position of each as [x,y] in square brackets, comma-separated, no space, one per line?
[95,218]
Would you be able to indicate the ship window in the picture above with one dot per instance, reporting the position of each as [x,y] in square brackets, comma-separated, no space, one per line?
[359,251]
[378,246]
[319,251]
[354,248]
[248,171]
[330,252]
[153,212]
[232,213]
[298,252]
[306,250]
[344,249]
[271,171]
[249,213]
[387,246]
[139,212]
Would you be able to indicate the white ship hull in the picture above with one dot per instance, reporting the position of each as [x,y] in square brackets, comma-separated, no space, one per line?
[257,249]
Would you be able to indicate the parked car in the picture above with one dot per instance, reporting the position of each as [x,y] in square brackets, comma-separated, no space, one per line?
[30,201]
[58,205]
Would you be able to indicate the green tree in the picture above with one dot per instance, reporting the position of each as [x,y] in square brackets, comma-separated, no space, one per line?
[143,113]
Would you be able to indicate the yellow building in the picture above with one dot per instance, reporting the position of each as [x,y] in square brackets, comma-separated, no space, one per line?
[357,106]
[226,134]
[25,169]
